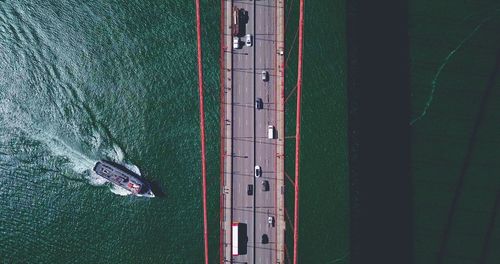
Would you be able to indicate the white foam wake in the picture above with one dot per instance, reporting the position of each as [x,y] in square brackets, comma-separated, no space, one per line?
[133,168]
[119,190]
[95,179]
[444,63]
[81,161]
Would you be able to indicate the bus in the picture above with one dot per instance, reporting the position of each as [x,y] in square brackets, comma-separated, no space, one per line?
[235,245]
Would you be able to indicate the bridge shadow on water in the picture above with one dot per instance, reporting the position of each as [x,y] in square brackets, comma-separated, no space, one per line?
[465,167]
[379,132]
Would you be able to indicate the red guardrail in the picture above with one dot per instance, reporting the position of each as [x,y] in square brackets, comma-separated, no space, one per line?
[202,130]
[297,133]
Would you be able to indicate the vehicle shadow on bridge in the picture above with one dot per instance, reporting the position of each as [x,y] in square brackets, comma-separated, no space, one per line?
[263,140]
[244,105]
[250,210]
[381,190]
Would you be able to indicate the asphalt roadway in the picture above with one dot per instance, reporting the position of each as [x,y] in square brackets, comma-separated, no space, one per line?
[251,146]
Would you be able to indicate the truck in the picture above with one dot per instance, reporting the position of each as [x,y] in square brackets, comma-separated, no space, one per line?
[270,132]
[236,21]
[235,246]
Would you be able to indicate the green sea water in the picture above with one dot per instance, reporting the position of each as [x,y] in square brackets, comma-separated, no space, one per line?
[324,196]
[454,48]
[82,81]
[86,80]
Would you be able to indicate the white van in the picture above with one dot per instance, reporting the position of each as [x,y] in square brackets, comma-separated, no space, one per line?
[248,40]
[270,132]
[236,43]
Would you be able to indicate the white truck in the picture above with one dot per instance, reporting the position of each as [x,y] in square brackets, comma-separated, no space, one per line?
[270,132]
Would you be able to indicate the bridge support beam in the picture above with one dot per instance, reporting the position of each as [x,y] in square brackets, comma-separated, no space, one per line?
[202,130]
[297,134]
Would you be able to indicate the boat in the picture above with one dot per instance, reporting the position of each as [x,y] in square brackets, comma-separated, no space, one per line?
[122,177]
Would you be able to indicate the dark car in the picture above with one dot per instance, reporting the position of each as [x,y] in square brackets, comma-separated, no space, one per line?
[265,76]
[265,239]
[259,104]
[265,186]
[250,189]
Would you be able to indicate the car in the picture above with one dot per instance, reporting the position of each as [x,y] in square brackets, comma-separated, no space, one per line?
[250,189]
[258,103]
[265,186]
[258,171]
[270,132]
[265,76]
[248,40]
[236,43]
[265,239]
[270,220]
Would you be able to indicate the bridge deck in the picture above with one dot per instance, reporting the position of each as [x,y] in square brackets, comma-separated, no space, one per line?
[244,131]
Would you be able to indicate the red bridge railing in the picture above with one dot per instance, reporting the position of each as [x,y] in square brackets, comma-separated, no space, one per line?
[297,134]
[202,130]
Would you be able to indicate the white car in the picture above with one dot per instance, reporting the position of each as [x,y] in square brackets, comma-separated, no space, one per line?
[258,171]
[236,43]
[270,220]
[248,40]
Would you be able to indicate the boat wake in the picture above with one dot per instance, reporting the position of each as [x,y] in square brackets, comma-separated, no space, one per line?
[83,164]
[47,121]
[444,63]
[119,190]
[77,151]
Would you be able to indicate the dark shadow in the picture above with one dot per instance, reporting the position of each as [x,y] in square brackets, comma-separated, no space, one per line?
[265,239]
[379,133]
[467,158]
[157,189]
[485,252]
[243,20]
[243,238]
